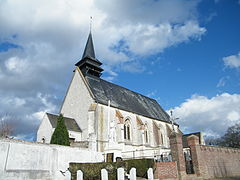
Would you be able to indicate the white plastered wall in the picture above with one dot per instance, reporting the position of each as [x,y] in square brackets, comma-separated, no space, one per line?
[45,130]
[136,142]
[76,135]
[21,160]
[77,102]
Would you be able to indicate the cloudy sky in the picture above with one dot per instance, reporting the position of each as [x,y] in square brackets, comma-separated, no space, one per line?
[185,54]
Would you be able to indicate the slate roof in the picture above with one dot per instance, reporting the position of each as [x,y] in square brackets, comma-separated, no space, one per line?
[125,99]
[69,122]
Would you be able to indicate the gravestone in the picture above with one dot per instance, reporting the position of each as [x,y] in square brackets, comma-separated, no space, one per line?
[104,174]
[79,175]
[120,174]
[133,174]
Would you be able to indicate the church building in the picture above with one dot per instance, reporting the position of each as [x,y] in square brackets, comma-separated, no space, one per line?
[109,118]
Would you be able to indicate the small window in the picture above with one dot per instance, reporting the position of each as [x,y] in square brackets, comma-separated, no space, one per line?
[146,134]
[127,130]
[110,157]
[71,140]
[160,137]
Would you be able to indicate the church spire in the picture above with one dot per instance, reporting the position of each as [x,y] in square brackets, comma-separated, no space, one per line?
[89,49]
[89,65]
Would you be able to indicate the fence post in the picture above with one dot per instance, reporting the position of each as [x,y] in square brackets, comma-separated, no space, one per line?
[79,175]
[104,174]
[150,174]
[133,174]
[120,174]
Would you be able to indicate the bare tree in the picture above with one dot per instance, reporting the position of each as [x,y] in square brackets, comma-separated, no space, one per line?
[6,128]
[232,137]
[212,141]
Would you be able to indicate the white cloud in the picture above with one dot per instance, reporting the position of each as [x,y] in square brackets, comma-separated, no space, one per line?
[152,94]
[133,67]
[37,22]
[13,102]
[222,82]
[149,39]
[209,115]
[52,34]
[17,65]
[232,61]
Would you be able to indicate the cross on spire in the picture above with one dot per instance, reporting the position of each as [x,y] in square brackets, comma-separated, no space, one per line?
[91,23]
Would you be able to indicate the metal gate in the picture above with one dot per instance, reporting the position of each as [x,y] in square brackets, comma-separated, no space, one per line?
[188,161]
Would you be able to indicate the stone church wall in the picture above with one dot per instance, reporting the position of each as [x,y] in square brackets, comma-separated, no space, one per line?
[45,130]
[27,160]
[77,102]
[136,133]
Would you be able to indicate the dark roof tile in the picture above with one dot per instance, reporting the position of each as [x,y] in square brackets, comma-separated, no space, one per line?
[70,123]
[126,99]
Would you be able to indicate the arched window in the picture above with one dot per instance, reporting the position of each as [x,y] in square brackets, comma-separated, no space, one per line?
[160,137]
[146,134]
[127,130]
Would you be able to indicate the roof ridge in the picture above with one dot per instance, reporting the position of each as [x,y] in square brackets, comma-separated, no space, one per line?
[58,115]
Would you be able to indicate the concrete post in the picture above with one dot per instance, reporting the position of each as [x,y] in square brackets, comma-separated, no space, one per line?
[104,174]
[120,174]
[177,153]
[150,174]
[133,174]
[198,161]
[79,175]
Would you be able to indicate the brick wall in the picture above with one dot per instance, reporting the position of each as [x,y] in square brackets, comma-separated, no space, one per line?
[212,161]
[221,162]
[166,170]
[208,161]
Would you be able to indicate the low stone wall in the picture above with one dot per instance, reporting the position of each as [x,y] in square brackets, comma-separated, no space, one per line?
[28,160]
[166,170]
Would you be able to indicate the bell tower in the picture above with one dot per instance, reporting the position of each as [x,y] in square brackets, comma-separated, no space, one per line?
[89,65]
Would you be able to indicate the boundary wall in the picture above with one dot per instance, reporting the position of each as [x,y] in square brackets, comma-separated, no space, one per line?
[214,162]
[166,170]
[29,160]
[208,162]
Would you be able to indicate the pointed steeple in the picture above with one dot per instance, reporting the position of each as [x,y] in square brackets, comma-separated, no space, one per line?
[89,49]
[89,65]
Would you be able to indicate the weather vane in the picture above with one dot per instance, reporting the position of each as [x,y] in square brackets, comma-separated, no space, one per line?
[91,23]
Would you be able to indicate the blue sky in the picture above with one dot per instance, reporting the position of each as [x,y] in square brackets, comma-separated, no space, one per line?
[194,67]
[184,54]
